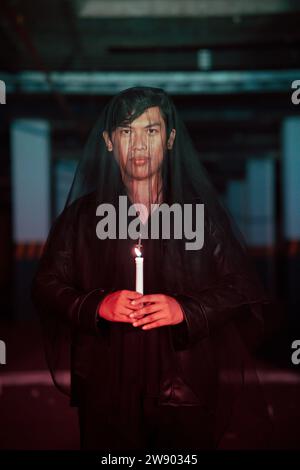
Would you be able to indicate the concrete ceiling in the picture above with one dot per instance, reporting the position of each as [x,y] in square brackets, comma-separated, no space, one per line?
[139,35]
[243,53]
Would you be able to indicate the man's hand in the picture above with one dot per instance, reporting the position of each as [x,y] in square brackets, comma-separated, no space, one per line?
[116,306]
[159,310]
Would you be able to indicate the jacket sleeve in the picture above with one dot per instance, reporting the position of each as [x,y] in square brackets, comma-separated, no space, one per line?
[54,292]
[235,293]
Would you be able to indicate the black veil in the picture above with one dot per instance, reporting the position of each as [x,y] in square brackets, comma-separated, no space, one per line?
[184,179]
[217,285]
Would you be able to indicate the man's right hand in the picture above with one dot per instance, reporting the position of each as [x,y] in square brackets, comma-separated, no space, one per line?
[117,307]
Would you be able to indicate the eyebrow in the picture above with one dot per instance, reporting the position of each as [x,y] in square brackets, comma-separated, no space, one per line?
[154,124]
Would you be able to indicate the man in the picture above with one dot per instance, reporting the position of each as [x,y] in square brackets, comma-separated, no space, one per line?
[122,306]
[163,369]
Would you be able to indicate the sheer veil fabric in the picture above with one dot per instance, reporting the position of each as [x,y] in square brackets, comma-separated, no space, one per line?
[140,148]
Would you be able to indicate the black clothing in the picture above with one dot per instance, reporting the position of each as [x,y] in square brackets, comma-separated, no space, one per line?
[114,366]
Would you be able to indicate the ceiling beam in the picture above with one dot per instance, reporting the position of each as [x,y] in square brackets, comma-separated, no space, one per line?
[180,8]
[184,83]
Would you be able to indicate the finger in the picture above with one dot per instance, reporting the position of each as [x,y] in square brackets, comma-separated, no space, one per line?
[151,298]
[125,311]
[147,310]
[131,294]
[140,303]
[135,316]
[149,318]
[135,307]
[136,304]
[155,324]
[122,317]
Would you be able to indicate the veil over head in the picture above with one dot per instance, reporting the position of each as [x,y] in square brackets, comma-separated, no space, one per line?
[173,174]
[140,148]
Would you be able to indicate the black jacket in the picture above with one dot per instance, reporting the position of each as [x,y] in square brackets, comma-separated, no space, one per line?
[223,315]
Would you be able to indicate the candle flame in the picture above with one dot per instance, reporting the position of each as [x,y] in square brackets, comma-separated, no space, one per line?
[138,251]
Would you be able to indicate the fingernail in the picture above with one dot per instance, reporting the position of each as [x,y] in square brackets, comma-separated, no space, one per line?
[131,315]
[133,302]
[134,324]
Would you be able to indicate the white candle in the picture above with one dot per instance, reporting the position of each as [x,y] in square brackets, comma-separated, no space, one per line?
[139,269]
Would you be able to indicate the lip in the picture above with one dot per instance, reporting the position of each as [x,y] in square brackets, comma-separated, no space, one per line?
[140,160]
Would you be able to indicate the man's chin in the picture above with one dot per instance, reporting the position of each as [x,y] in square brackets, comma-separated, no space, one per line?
[140,175]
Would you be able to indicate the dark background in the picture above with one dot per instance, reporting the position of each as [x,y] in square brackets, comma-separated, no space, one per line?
[229,66]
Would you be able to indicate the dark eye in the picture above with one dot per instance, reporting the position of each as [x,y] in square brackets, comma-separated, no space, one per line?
[126,131]
[152,131]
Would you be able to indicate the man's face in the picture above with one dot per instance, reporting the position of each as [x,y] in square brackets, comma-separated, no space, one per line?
[139,147]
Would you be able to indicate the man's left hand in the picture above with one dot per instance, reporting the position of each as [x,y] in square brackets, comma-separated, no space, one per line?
[159,310]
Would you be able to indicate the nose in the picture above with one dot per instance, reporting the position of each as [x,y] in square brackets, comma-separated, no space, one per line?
[139,141]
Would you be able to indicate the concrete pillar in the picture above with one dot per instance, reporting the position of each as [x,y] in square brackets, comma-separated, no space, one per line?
[291,177]
[31,203]
[291,215]
[260,182]
[236,203]
[30,152]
